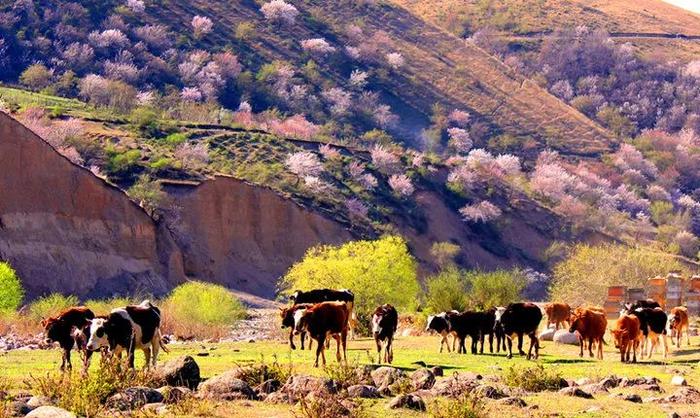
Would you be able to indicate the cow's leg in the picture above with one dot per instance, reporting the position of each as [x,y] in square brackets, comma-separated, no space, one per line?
[319,349]
[580,343]
[664,341]
[454,341]
[344,341]
[291,340]
[520,344]
[475,343]
[533,343]
[337,347]
[491,343]
[509,342]
[390,349]
[687,335]
[462,344]
[379,349]
[590,347]
[147,353]
[86,361]
[482,337]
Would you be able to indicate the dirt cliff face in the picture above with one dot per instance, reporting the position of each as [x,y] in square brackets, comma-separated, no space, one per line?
[244,236]
[65,230]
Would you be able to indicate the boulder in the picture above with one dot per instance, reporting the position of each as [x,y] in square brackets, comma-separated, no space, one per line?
[490,392]
[364,374]
[638,381]
[47,411]
[632,397]
[610,382]
[594,388]
[269,386]
[513,401]
[301,385]
[385,376]
[174,394]
[280,397]
[409,401]
[422,379]
[547,335]
[363,391]
[454,386]
[37,401]
[181,371]
[437,371]
[133,398]
[563,336]
[226,387]
[575,391]
[684,395]
[678,380]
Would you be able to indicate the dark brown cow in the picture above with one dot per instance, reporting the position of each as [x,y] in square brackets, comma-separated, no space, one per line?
[519,319]
[678,321]
[627,335]
[129,328]
[466,324]
[329,295]
[557,313]
[322,321]
[385,321]
[60,329]
[287,315]
[590,324]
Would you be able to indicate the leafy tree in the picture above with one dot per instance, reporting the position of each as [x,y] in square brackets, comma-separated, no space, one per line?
[446,291]
[444,253]
[377,272]
[11,291]
[50,305]
[496,288]
[585,275]
[36,77]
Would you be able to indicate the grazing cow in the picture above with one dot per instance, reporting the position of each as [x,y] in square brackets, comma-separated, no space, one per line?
[287,315]
[329,295]
[653,324]
[487,327]
[520,319]
[590,325]
[60,329]
[324,320]
[557,314]
[385,321]
[466,324]
[627,336]
[129,328]
[642,303]
[678,322]
[441,325]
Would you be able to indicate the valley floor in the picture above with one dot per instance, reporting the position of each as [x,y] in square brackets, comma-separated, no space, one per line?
[410,353]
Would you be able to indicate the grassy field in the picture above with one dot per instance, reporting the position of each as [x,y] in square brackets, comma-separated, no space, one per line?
[215,358]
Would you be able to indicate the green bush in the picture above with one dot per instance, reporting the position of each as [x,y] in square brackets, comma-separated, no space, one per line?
[446,291]
[532,378]
[377,272]
[11,290]
[104,306]
[50,305]
[464,406]
[197,309]
[496,288]
[124,161]
[148,193]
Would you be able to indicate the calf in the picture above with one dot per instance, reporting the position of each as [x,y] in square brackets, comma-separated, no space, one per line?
[287,315]
[653,324]
[441,325]
[590,325]
[385,320]
[627,336]
[324,320]
[329,295]
[466,324]
[520,319]
[678,323]
[557,313]
[61,328]
[129,328]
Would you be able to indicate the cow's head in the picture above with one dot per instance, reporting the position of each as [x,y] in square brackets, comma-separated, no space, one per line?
[618,336]
[377,323]
[301,320]
[52,329]
[674,319]
[498,323]
[294,296]
[98,334]
[287,315]
[575,319]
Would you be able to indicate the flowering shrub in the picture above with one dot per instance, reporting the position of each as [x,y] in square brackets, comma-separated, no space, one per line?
[339,99]
[329,152]
[201,25]
[483,211]
[401,185]
[192,156]
[279,11]
[304,164]
[460,140]
[358,79]
[317,46]
[357,210]
[384,160]
[459,118]
[395,60]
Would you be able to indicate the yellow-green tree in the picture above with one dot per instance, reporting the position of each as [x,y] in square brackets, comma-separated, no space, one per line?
[377,272]
[584,276]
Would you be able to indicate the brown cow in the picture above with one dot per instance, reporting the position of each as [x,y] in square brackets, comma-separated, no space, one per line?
[287,315]
[590,325]
[678,321]
[627,335]
[324,320]
[61,329]
[557,313]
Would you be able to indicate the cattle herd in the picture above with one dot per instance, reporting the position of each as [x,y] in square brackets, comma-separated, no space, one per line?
[325,314]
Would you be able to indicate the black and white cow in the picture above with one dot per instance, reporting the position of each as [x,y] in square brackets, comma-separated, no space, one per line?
[316,296]
[441,325]
[385,321]
[129,328]
[519,319]
[652,322]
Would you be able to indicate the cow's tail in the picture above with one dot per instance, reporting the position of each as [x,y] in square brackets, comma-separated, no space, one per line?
[163,347]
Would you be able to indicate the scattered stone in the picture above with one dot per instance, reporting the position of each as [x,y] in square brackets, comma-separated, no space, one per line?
[651,388]
[174,394]
[638,381]
[583,381]
[610,382]
[423,379]
[227,387]
[409,401]
[632,397]
[575,391]
[454,386]
[437,371]
[563,336]
[364,374]
[37,401]
[17,408]
[50,412]
[490,392]
[269,386]
[513,401]
[594,388]
[547,335]
[363,391]
[182,371]
[280,397]
[385,376]
[674,415]
[203,354]
[133,398]
[679,381]
[684,395]
[300,385]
